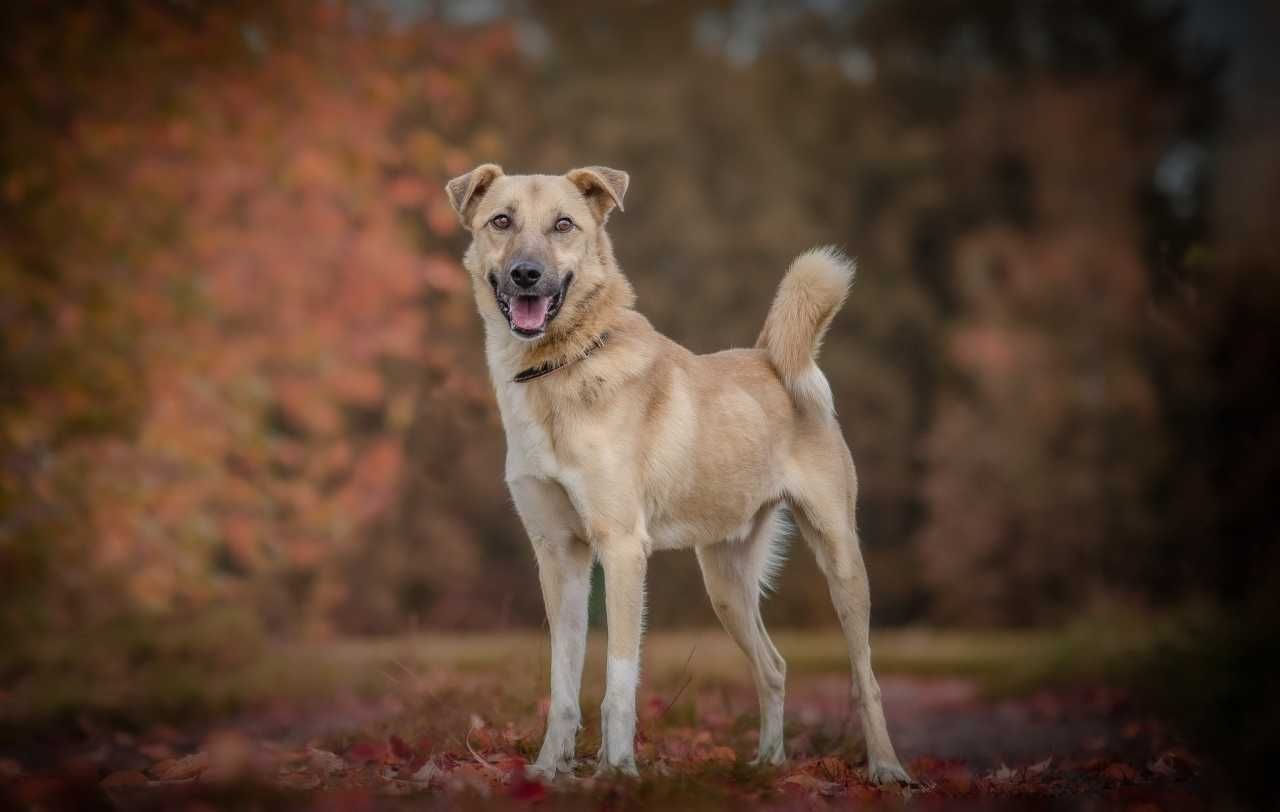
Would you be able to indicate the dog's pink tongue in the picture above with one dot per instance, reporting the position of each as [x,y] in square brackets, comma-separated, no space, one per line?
[529,312]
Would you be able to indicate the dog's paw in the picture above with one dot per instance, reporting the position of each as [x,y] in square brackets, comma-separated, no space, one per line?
[624,768]
[882,773]
[548,772]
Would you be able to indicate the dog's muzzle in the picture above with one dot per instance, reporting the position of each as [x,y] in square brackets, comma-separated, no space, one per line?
[529,297]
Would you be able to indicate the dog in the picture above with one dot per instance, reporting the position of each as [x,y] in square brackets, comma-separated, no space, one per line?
[621,442]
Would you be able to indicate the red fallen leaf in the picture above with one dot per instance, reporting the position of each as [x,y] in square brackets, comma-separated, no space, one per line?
[400,749]
[512,764]
[367,752]
[722,753]
[927,764]
[807,783]
[832,768]
[864,792]
[521,787]
[951,777]
[421,755]
[1120,771]
[125,778]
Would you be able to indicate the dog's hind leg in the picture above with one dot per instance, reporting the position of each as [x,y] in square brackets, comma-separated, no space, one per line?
[735,572]
[823,509]
[564,570]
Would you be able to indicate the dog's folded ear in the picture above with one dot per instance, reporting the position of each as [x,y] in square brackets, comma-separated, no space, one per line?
[466,190]
[603,188]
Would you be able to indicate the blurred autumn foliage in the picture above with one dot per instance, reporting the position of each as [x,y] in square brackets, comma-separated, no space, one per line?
[222,257]
[241,370]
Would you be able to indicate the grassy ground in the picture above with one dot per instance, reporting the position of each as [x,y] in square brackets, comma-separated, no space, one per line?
[219,667]
[211,683]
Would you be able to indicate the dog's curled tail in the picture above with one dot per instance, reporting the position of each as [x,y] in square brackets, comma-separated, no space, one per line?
[811,293]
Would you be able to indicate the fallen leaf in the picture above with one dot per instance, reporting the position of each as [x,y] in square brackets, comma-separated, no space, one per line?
[367,752]
[429,772]
[298,781]
[400,749]
[524,788]
[864,792]
[722,753]
[325,762]
[180,769]
[1004,775]
[1039,767]
[808,783]
[1120,772]
[954,779]
[125,778]
[832,768]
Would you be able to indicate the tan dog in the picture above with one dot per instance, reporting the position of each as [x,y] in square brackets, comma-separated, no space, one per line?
[621,442]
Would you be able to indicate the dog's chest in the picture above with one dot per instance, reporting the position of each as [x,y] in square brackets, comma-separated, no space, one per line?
[530,450]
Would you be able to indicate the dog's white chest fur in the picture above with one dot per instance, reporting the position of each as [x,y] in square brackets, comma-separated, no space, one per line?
[530,451]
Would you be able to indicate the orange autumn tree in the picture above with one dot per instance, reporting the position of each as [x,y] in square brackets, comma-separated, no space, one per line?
[221,275]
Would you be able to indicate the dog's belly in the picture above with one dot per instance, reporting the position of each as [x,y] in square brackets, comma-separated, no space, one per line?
[675,534]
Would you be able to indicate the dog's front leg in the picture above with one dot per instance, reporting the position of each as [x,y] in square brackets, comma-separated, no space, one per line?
[564,570]
[624,560]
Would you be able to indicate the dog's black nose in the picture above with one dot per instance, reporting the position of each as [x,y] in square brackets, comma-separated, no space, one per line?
[526,274]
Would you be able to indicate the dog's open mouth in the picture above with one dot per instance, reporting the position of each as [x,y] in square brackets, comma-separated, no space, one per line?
[529,316]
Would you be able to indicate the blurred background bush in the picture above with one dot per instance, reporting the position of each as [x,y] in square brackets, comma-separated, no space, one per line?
[242,389]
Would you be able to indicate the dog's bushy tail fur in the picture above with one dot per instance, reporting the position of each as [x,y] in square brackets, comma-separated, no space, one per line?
[811,293]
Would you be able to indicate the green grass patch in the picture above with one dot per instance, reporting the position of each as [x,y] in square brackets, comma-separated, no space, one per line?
[141,672]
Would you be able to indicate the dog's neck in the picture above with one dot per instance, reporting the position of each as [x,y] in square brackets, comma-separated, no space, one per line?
[595,312]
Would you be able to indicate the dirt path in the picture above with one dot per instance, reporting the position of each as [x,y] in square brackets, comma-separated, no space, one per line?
[460,739]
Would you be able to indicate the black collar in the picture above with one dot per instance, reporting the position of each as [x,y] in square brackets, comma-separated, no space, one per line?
[524,376]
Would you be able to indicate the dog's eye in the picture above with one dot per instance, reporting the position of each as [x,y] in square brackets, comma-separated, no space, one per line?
[501,222]
[564,225]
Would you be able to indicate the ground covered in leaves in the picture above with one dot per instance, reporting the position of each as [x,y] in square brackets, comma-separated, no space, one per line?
[451,723]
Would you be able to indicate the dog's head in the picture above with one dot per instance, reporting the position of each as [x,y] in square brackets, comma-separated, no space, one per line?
[538,241]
